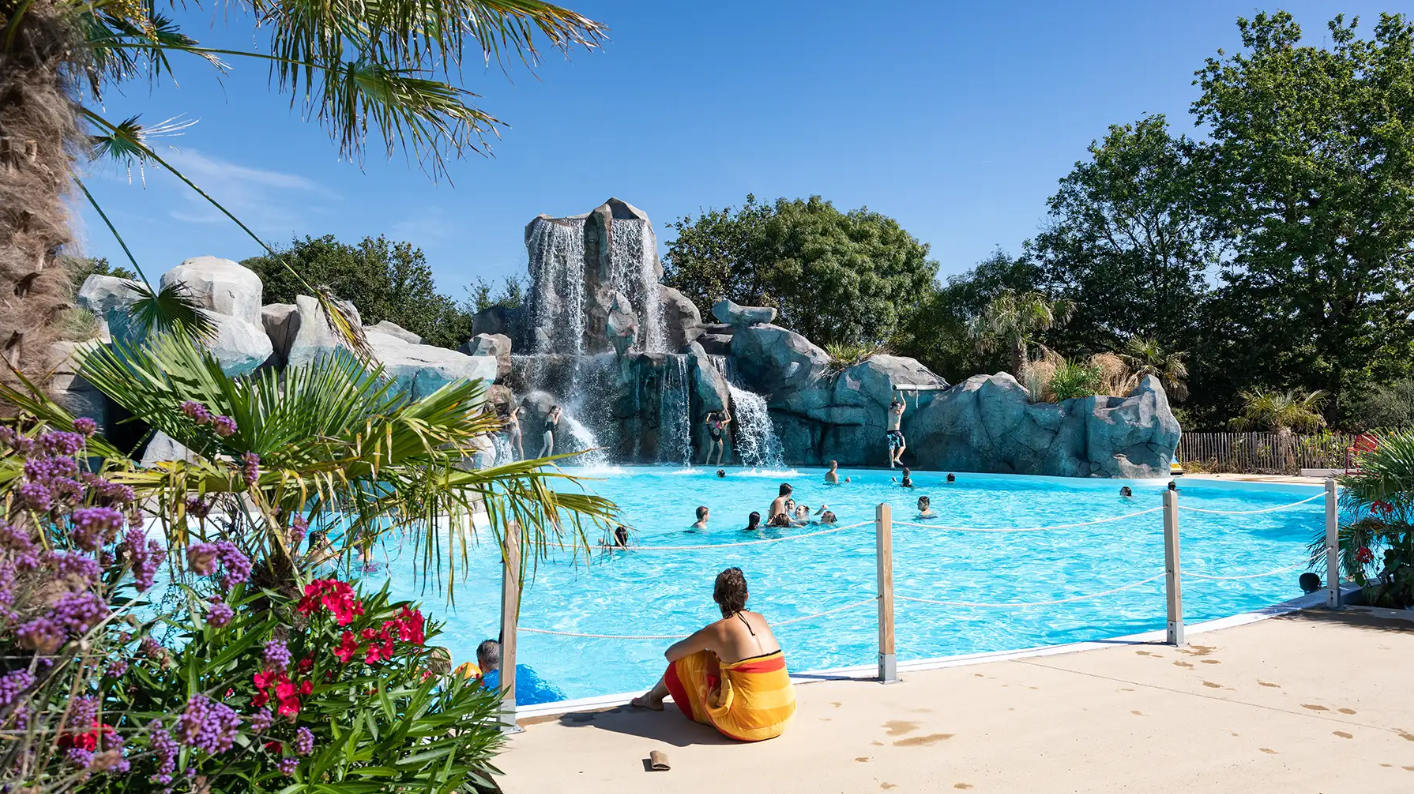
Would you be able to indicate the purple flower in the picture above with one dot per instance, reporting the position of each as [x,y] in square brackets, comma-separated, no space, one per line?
[207,725]
[224,426]
[112,491]
[7,590]
[288,766]
[42,470]
[236,564]
[299,526]
[41,635]
[79,757]
[79,612]
[219,613]
[201,558]
[261,719]
[66,489]
[196,411]
[250,468]
[277,656]
[75,564]
[91,527]
[83,712]
[85,427]
[116,668]
[13,685]
[198,507]
[304,742]
[24,445]
[144,560]
[151,648]
[166,749]
[16,539]
[111,761]
[36,497]
[7,435]
[59,442]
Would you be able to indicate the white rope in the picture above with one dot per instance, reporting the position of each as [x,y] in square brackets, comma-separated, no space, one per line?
[1250,512]
[1031,603]
[855,605]
[1029,529]
[830,531]
[1304,564]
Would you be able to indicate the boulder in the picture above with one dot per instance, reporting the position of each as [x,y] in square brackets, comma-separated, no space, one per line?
[771,359]
[239,345]
[162,448]
[735,315]
[500,320]
[280,321]
[220,286]
[311,335]
[622,325]
[393,329]
[715,344]
[71,390]
[420,370]
[682,322]
[109,298]
[495,345]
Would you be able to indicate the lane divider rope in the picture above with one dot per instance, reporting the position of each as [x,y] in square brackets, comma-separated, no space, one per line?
[1321,495]
[1003,530]
[1130,586]
[831,531]
[1305,564]
[778,624]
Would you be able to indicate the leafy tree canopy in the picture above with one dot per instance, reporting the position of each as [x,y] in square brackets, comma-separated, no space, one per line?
[836,277]
[385,280]
[82,267]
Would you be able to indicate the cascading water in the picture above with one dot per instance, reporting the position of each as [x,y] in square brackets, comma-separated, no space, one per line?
[756,441]
[674,413]
[556,251]
[633,254]
[581,438]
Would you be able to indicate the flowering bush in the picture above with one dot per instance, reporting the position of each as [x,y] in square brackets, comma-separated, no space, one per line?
[1377,537]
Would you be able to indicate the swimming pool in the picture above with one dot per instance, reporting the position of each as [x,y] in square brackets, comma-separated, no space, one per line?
[670,592]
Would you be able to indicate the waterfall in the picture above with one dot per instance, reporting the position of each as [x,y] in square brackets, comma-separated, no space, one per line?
[756,441]
[633,255]
[557,286]
[674,413]
[504,452]
[580,438]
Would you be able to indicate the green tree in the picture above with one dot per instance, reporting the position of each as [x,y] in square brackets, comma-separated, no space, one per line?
[370,73]
[384,280]
[1013,321]
[836,277]
[1311,169]
[484,295]
[1147,357]
[1128,241]
[80,268]
[1281,411]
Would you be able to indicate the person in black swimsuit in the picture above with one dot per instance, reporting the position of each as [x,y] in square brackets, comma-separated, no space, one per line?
[717,422]
[552,423]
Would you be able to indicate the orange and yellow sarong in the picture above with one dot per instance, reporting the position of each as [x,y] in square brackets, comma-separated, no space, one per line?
[749,700]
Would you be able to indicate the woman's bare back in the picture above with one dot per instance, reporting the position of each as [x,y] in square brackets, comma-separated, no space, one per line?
[744,635]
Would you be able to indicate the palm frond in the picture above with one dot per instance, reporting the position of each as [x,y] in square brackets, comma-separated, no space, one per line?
[169,310]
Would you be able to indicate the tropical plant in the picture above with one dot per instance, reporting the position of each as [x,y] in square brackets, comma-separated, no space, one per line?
[382,67]
[1012,321]
[844,355]
[1146,357]
[1281,412]
[1073,380]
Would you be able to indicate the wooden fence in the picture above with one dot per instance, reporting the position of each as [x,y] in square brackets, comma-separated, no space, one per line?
[1264,453]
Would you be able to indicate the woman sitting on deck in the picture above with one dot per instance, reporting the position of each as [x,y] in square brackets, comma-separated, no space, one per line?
[730,675]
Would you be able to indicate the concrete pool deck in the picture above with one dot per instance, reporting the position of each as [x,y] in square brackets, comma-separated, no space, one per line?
[1311,701]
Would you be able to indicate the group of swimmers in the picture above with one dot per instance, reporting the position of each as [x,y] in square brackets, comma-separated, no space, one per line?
[548,428]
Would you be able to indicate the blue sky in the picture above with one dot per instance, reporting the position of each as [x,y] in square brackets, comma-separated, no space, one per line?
[956,119]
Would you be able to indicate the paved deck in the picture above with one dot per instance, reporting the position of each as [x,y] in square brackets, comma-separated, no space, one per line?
[1313,701]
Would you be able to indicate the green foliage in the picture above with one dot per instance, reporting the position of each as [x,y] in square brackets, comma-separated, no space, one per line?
[1073,380]
[1128,242]
[844,356]
[1012,321]
[1146,357]
[835,277]
[1281,411]
[80,268]
[1380,406]
[1377,542]
[385,280]
[483,295]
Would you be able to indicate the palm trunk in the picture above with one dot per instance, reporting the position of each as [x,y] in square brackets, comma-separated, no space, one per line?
[38,137]
[1019,360]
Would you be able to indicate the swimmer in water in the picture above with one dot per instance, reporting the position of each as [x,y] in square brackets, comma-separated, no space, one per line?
[925,508]
[721,474]
[621,536]
[952,477]
[907,481]
[702,513]
[753,522]
[1125,492]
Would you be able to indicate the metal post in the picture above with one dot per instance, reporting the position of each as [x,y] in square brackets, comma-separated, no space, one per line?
[1173,578]
[510,616]
[1332,547]
[884,554]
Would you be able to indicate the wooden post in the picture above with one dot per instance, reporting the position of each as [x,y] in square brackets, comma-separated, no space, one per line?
[884,554]
[1332,547]
[510,617]
[1173,579]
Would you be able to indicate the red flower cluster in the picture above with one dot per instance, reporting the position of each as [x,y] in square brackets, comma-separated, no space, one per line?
[406,626]
[85,741]
[1383,508]
[1364,555]
[333,595]
[287,693]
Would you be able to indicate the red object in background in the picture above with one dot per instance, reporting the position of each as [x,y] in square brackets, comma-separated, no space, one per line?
[1364,442]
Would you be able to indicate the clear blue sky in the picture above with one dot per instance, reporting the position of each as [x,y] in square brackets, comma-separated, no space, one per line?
[956,119]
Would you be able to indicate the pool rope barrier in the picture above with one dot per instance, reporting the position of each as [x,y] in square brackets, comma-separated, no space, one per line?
[884,593]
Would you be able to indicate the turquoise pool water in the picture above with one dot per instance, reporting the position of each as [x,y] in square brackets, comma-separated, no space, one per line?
[670,592]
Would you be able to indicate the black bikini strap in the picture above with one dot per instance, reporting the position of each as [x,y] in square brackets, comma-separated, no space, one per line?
[748,625]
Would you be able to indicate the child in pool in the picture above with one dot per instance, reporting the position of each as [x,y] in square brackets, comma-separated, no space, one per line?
[907,481]
[925,509]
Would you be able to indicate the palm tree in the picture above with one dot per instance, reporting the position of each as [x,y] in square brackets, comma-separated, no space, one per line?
[1146,357]
[1282,412]
[385,66]
[1012,320]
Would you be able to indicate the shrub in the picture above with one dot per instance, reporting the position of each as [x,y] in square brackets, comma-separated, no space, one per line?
[1377,543]
[844,355]
[1076,380]
[1389,405]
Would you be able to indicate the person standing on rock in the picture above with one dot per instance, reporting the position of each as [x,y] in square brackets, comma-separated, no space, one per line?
[717,422]
[552,423]
[897,444]
[513,432]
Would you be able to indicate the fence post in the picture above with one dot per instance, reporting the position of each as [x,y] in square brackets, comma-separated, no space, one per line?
[510,616]
[884,554]
[1332,547]
[1173,579]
